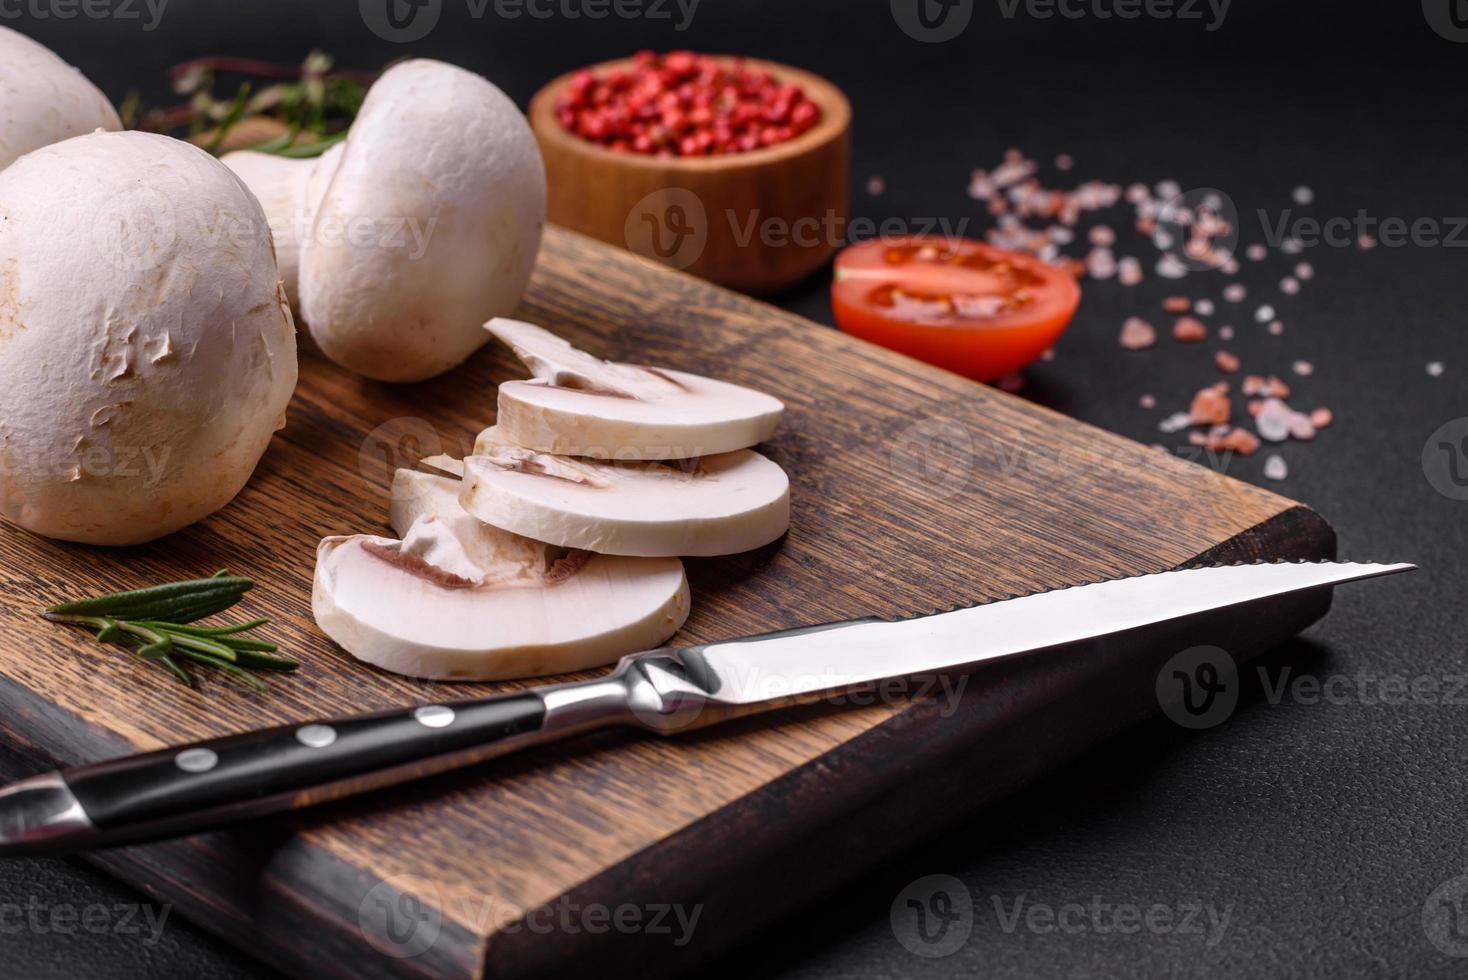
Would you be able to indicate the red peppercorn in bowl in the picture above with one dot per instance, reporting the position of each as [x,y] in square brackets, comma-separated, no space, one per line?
[733,169]
[684,105]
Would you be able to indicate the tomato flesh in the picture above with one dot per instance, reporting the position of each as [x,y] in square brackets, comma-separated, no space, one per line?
[974,309]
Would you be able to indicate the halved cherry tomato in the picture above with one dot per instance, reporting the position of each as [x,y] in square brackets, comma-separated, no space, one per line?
[972,308]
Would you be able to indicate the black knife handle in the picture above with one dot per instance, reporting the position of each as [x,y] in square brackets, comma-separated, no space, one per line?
[297,765]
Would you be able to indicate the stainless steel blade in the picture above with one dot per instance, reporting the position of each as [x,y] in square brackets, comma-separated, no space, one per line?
[780,666]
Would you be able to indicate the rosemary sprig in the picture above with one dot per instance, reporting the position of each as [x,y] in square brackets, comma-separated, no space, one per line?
[154,624]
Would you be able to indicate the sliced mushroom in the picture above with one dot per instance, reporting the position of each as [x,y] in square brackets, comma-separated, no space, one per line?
[714,505]
[580,405]
[456,599]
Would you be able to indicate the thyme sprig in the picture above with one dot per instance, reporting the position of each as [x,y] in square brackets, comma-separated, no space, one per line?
[156,624]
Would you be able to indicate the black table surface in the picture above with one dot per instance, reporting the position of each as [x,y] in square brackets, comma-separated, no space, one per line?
[1319,831]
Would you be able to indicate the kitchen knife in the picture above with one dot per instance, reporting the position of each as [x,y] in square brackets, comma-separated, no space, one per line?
[190,788]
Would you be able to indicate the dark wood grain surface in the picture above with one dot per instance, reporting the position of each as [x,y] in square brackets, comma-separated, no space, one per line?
[912,489]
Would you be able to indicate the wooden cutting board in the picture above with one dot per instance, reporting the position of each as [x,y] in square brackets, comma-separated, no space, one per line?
[913,489]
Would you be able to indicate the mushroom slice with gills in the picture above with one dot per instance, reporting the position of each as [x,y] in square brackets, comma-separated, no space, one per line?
[455,599]
[580,405]
[714,505]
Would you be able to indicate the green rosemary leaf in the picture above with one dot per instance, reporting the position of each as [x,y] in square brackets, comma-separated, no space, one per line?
[138,603]
[259,661]
[228,668]
[183,675]
[202,645]
[305,151]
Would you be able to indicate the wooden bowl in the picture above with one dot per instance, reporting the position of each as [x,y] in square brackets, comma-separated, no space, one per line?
[757,221]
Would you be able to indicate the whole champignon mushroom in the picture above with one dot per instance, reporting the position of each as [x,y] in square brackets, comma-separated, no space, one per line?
[147,352]
[43,100]
[456,599]
[423,225]
[579,405]
[713,505]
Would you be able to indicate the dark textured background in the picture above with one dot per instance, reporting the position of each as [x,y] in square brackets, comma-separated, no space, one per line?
[1323,828]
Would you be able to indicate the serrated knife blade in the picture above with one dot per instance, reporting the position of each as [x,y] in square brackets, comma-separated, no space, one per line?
[197,787]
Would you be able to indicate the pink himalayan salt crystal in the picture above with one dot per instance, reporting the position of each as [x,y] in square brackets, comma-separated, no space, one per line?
[1227,363]
[1264,313]
[1137,334]
[1256,252]
[1275,328]
[1204,307]
[1048,354]
[1435,369]
[1177,304]
[1102,235]
[1210,405]
[1129,270]
[1230,266]
[1011,382]
[1275,468]
[1321,418]
[1304,271]
[1189,330]
[875,186]
[1147,401]
[1235,292]
[1304,368]
[1289,285]
[1273,420]
[1225,332]
[1064,162]
[1365,243]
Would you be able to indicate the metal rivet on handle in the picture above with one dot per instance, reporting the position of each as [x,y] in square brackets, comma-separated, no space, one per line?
[316,736]
[196,760]
[434,716]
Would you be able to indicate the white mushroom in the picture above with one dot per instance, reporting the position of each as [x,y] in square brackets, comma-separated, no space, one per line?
[580,405]
[713,505]
[43,100]
[147,352]
[456,599]
[424,224]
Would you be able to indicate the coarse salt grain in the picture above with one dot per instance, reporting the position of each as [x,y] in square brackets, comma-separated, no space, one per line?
[1264,314]
[875,186]
[1304,368]
[1177,304]
[1292,246]
[1048,354]
[1235,292]
[1256,252]
[1147,401]
[1210,405]
[1434,369]
[1129,270]
[1064,162]
[1171,267]
[1304,270]
[1303,195]
[1204,307]
[1102,235]
[1275,468]
[1011,382]
[1225,332]
[1322,417]
[1227,363]
[1137,334]
[1275,328]
[1366,243]
[1175,422]
[1289,285]
[1189,330]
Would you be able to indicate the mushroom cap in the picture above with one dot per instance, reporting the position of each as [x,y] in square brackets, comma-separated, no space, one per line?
[281,185]
[45,100]
[580,405]
[714,505]
[428,224]
[455,599]
[147,352]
